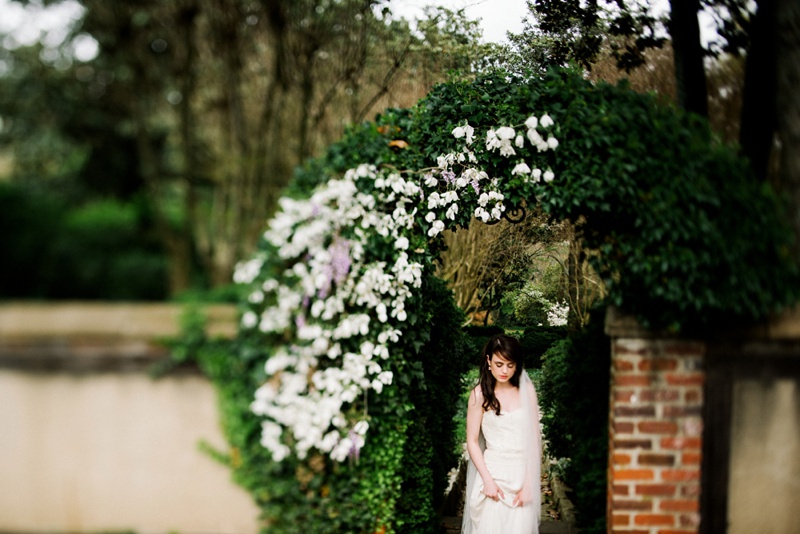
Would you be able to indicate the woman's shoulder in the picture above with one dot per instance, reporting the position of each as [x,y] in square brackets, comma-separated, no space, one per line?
[476,394]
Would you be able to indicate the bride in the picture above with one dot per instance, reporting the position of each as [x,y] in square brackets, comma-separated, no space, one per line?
[504,445]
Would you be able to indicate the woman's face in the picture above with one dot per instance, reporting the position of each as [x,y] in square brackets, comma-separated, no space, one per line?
[502,369]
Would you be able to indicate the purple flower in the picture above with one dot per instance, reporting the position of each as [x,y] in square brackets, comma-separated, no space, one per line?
[340,259]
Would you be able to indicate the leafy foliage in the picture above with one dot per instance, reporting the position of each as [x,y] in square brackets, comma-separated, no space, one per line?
[99,250]
[573,394]
[683,233]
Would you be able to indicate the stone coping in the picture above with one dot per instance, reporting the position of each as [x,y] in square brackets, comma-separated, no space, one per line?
[784,326]
[130,320]
[85,337]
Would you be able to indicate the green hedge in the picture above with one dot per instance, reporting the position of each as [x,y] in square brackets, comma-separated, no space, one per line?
[573,395]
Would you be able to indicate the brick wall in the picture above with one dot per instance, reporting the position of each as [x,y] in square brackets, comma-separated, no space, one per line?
[655,434]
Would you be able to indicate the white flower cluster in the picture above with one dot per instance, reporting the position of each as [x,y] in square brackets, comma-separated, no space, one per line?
[339,307]
[490,201]
[557,314]
[502,139]
[333,294]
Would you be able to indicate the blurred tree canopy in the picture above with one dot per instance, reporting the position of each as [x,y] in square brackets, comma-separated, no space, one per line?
[199,110]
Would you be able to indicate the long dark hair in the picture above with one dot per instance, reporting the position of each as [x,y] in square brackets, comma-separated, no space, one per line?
[509,348]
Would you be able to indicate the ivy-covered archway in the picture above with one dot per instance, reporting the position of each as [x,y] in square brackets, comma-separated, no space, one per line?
[354,350]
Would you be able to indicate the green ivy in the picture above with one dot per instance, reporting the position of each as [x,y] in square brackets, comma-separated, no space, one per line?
[686,236]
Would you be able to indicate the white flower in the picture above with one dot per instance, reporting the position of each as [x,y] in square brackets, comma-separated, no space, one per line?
[519,141]
[464,131]
[430,217]
[546,121]
[552,142]
[451,211]
[492,141]
[505,133]
[470,131]
[531,122]
[521,168]
[435,228]
[401,243]
[249,319]
[534,137]
[506,149]
[548,176]
[537,175]
[430,180]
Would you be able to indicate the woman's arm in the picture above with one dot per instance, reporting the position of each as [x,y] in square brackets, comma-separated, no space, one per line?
[474,419]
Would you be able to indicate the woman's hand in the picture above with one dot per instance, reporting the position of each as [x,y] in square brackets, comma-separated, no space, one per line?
[492,490]
[525,496]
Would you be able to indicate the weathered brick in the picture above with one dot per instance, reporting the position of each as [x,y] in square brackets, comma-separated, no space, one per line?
[693,396]
[626,531]
[633,444]
[666,490]
[621,459]
[620,489]
[689,520]
[658,364]
[685,379]
[660,395]
[683,505]
[681,443]
[658,427]
[623,395]
[676,530]
[679,475]
[633,474]
[666,520]
[682,411]
[620,519]
[632,380]
[635,411]
[691,458]
[690,490]
[628,504]
[656,459]
[623,427]
[623,364]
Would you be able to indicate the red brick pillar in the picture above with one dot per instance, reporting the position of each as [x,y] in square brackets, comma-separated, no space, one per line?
[655,431]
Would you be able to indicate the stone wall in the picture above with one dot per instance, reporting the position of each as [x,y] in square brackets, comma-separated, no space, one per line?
[92,443]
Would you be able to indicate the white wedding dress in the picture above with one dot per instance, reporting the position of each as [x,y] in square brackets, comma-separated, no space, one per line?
[504,457]
[512,453]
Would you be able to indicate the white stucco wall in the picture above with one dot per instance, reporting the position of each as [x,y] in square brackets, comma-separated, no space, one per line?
[89,442]
[102,452]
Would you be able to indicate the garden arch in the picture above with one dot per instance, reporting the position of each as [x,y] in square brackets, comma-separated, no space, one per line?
[354,349]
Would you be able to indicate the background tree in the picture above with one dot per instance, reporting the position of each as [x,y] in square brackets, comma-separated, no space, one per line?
[201,109]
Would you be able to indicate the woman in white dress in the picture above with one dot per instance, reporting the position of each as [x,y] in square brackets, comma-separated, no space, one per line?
[504,445]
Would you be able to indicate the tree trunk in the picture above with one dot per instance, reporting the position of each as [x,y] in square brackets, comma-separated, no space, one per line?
[690,73]
[787,32]
[758,119]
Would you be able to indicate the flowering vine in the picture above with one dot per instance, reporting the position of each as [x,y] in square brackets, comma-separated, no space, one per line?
[333,291]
